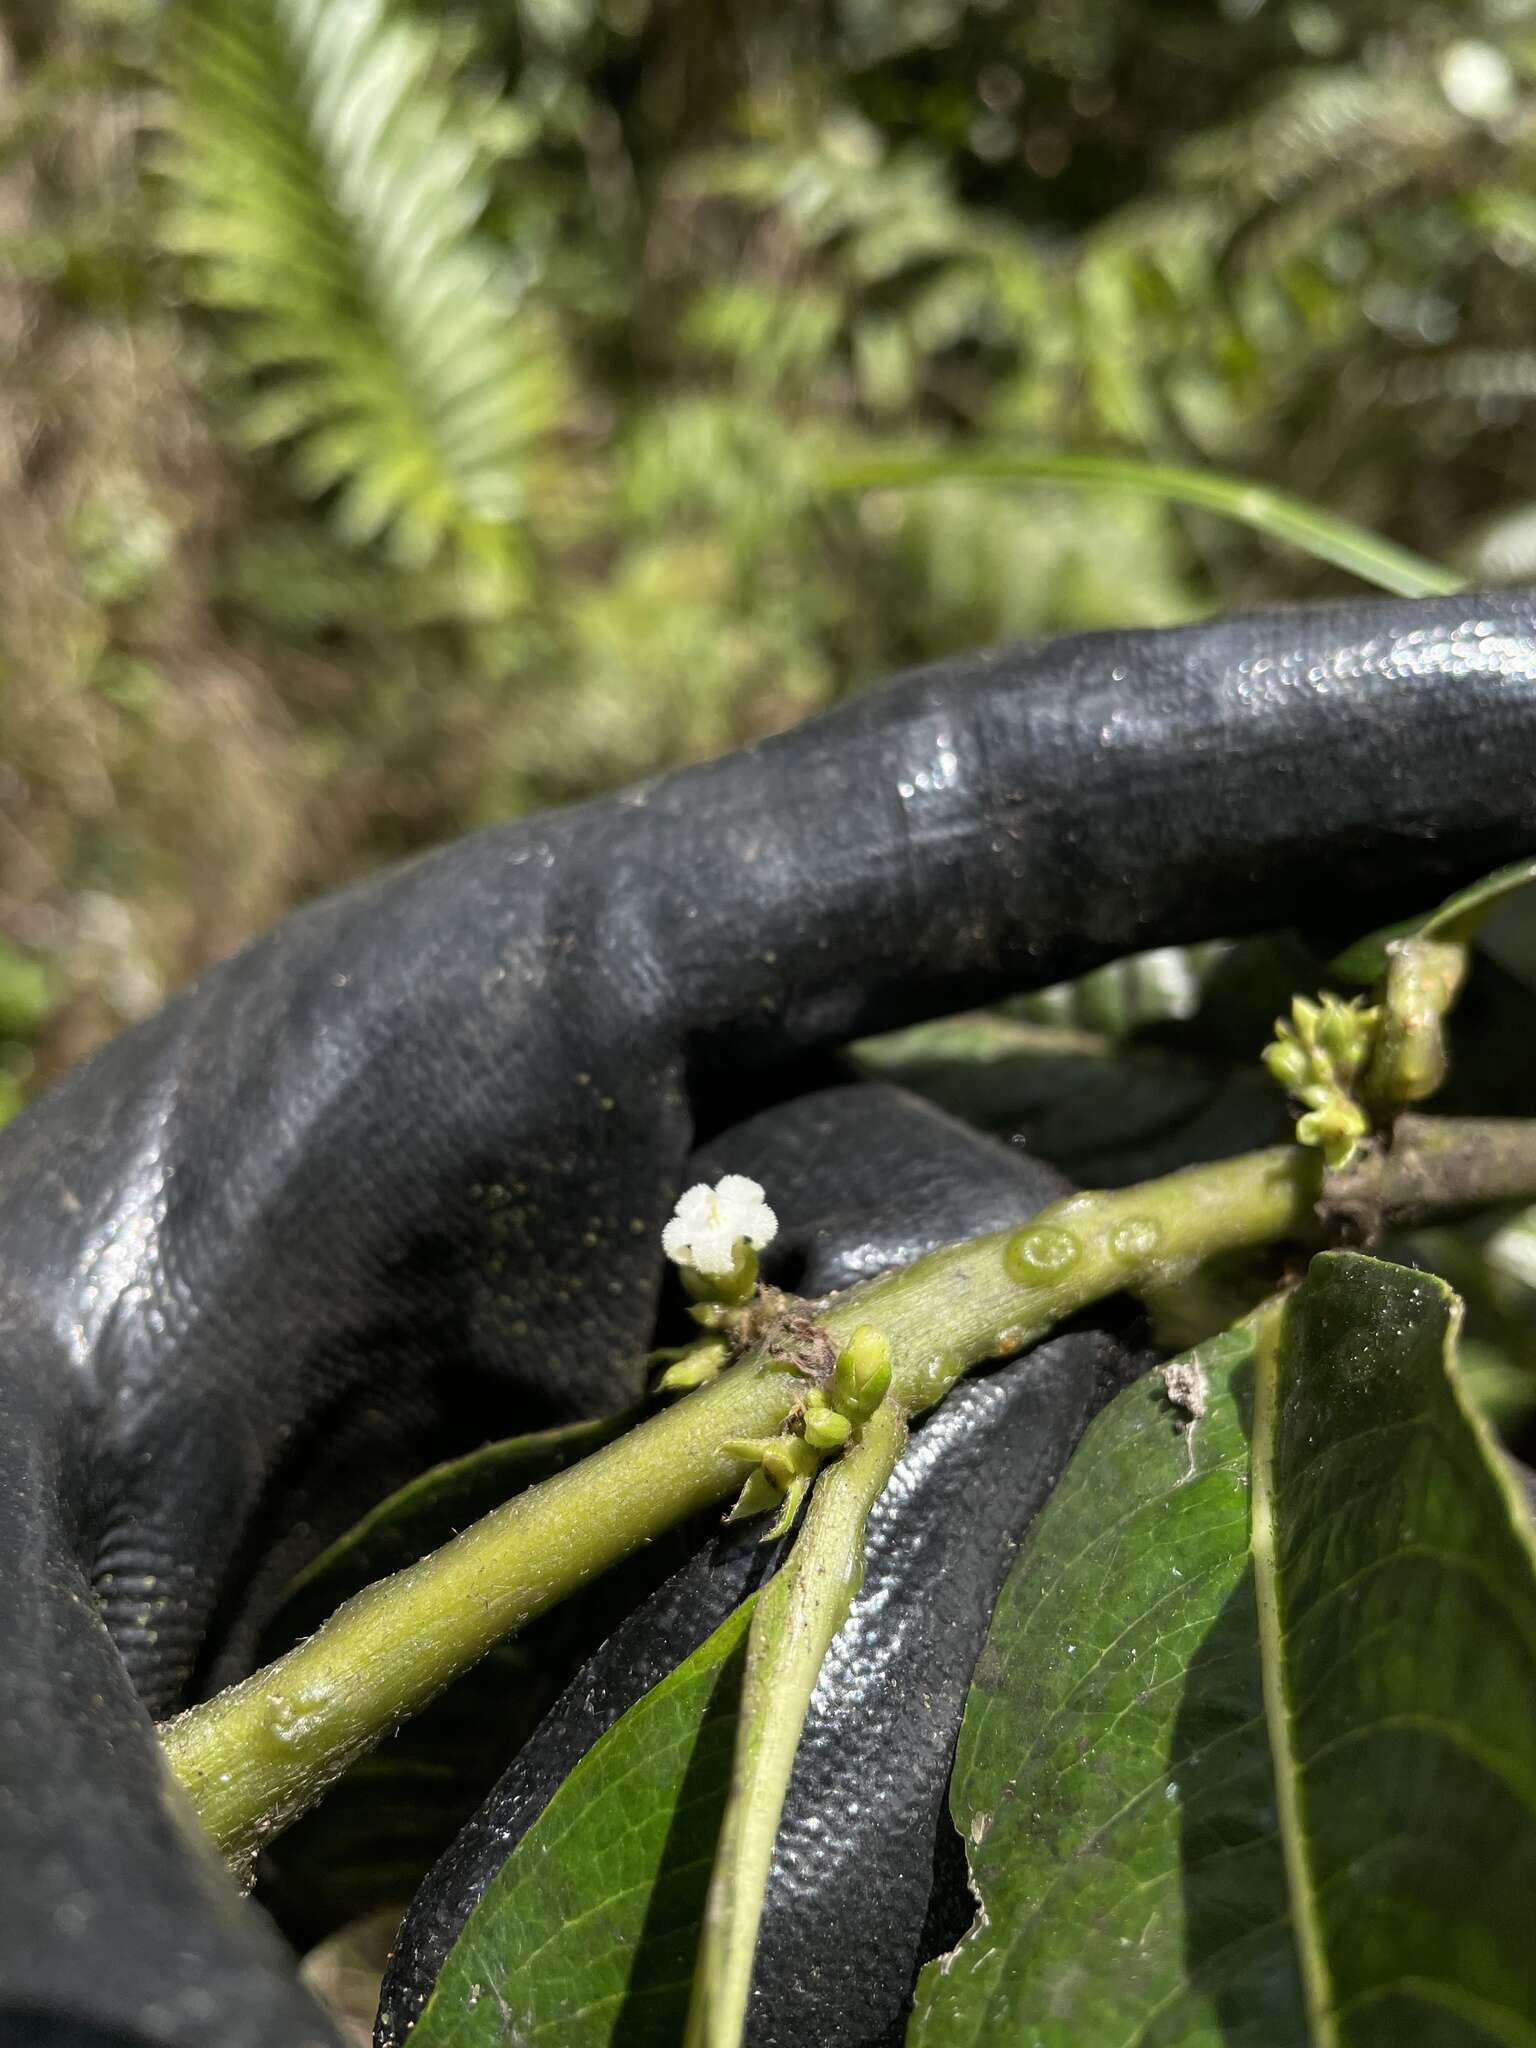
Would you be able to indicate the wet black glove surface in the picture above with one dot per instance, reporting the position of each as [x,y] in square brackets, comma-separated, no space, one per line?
[393,1178]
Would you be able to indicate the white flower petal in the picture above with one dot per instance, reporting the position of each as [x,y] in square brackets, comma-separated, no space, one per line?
[675,1240]
[714,1250]
[708,1224]
[696,1207]
[741,1202]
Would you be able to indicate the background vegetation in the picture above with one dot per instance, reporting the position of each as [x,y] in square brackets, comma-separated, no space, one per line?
[412,413]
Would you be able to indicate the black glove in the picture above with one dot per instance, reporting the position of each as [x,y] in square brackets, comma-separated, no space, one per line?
[393,1178]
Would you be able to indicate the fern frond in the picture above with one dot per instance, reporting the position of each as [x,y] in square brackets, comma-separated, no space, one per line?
[321,191]
[1313,122]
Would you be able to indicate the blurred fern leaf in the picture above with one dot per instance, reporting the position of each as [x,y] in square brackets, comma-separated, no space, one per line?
[321,190]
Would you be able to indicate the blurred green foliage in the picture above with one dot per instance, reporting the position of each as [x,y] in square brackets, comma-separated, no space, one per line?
[411,413]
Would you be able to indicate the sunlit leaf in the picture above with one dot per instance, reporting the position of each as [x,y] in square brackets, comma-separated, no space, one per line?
[1250,1757]
[593,1921]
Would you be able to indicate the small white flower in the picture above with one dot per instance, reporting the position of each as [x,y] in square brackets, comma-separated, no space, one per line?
[709,1222]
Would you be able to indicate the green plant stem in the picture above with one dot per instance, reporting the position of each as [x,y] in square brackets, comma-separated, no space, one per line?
[804,1606]
[1436,1169]
[1283,518]
[260,1754]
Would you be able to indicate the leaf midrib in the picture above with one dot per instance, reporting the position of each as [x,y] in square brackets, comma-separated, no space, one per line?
[1311,1956]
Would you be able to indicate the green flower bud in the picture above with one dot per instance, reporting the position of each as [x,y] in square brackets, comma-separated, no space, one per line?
[1334,1130]
[692,1365]
[1305,1016]
[757,1497]
[1345,1032]
[1318,1058]
[862,1375]
[788,1458]
[751,1447]
[826,1429]
[1286,1060]
[786,1465]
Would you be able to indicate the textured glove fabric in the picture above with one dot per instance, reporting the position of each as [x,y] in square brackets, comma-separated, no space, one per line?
[392,1179]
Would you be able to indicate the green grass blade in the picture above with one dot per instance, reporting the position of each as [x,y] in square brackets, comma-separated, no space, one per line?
[1268,511]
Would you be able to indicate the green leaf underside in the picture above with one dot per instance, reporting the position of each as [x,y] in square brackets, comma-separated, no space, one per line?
[1147,1841]
[589,1931]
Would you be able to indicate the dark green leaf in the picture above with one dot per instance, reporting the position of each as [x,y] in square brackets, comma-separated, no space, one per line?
[588,1932]
[1250,1758]
[1106,1113]
[1458,919]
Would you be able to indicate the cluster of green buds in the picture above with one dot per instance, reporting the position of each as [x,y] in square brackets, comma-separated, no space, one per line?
[1353,1067]
[818,1426]
[1319,1057]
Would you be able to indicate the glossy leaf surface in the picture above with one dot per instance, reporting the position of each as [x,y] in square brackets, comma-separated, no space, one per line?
[589,1931]
[1250,1757]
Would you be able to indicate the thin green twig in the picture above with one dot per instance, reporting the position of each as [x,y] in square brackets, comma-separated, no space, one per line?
[805,1604]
